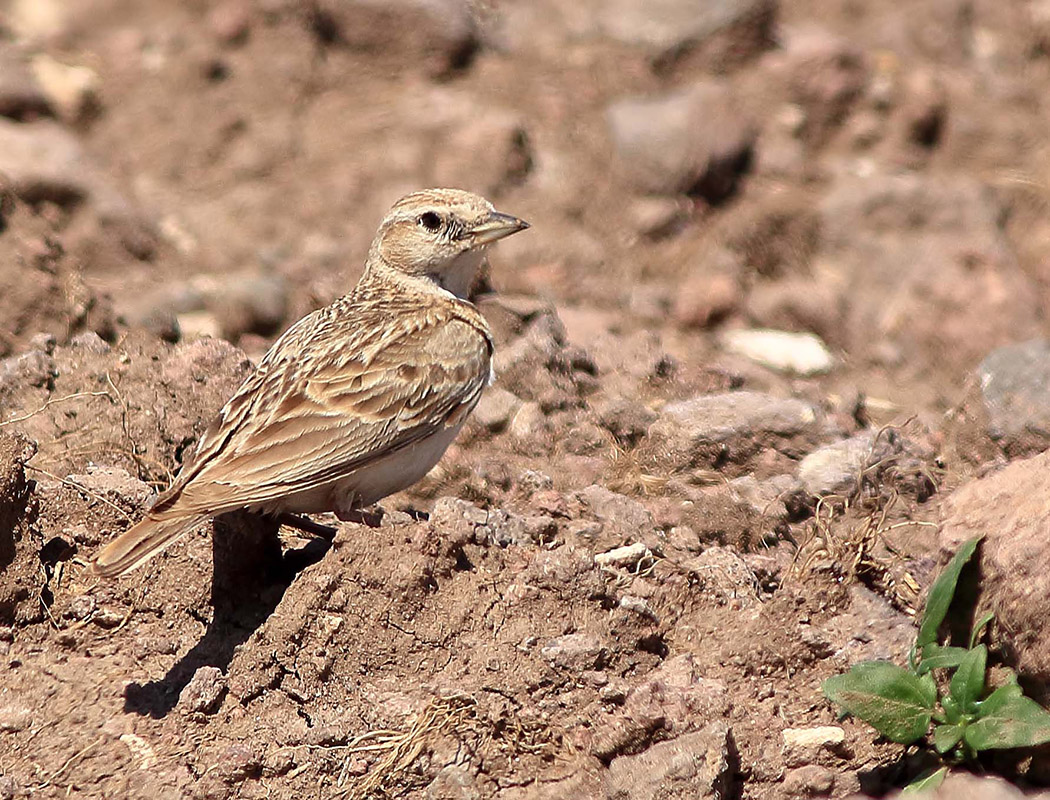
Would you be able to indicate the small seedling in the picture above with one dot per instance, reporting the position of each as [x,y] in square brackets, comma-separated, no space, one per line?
[902,703]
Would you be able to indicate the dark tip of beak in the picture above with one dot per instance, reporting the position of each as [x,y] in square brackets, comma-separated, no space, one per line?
[496,226]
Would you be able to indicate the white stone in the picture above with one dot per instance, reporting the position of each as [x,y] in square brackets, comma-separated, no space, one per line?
[72,90]
[626,556]
[784,351]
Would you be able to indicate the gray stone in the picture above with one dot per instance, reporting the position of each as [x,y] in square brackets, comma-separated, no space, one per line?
[35,368]
[575,651]
[693,140]
[255,302]
[504,529]
[719,417]
[730,427]
[616,510]
[90,341]
[808,781]
[805,745]
[43,161]
[454,782]
[114,483]
[626,418]
[1015,386]
[836,468]
[14,719]
[204,692]
[456,518]
[528,422]
[871,629]
[696,765]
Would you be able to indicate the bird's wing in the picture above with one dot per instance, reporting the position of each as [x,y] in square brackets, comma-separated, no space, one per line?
[321,406]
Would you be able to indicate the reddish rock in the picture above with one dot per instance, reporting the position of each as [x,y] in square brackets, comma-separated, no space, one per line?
[1009,509]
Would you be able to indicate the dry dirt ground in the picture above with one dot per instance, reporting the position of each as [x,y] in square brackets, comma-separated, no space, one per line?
[182,180]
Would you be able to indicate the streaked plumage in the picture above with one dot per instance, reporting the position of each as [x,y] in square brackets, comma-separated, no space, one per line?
[355,401]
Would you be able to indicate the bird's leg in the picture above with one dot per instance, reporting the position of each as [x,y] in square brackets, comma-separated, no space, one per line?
[361,516]
[326,532]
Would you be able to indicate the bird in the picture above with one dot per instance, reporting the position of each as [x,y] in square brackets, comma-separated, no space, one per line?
[355,401]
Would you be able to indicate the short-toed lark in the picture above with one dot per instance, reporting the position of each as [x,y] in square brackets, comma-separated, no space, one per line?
[355,401]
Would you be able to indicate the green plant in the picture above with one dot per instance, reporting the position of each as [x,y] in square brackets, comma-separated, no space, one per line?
[902,703]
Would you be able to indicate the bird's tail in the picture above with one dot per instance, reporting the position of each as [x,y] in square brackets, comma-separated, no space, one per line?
[141,542]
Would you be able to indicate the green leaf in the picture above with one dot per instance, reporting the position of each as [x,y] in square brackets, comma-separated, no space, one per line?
[967,684]
[892,700]
[935,656]
[1014,722]
[941,594]
[997,699]
[928,687]
[978,629]
[945,737]
[952,712]
[927,782]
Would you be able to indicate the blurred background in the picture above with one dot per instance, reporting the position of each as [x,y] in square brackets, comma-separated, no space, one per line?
[869,172]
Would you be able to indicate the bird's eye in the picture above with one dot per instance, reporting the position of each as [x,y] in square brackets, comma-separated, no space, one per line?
[430,221]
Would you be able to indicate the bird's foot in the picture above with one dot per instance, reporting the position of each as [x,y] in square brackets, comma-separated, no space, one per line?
[370,517]
[306,525]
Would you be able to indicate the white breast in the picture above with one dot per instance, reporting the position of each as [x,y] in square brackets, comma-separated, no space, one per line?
[397,471]
[372,483]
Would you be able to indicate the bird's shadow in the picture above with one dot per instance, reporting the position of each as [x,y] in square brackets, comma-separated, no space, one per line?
[249,578]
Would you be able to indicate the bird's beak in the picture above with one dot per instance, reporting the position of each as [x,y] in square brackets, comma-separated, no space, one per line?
[496,226]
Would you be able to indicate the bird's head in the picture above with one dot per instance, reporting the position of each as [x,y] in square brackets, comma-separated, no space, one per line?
[441,235]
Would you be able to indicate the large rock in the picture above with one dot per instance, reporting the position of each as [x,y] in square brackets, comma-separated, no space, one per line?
[1015,387]
[439,35]
[694,766]
[42,161]
[722,31]
[729,427]
[936,248]
[1011,511]
[693,140]
[836,468]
